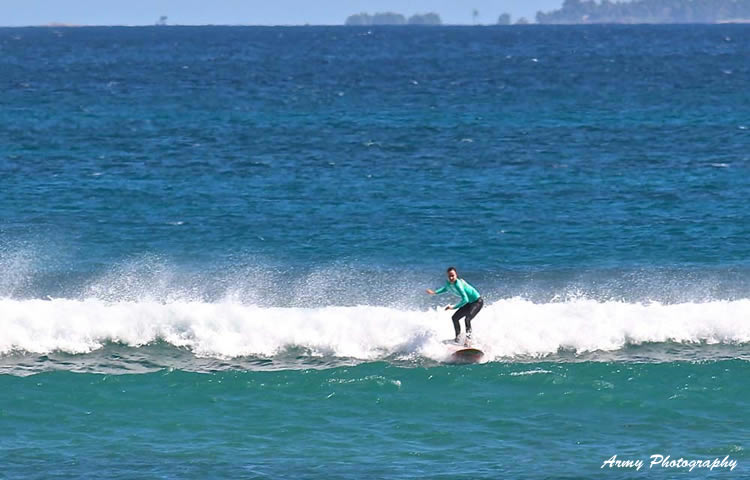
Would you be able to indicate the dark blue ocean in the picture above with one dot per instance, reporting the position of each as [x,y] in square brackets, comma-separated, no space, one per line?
[215,244]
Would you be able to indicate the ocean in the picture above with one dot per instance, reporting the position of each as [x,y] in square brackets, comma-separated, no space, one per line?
[215,244]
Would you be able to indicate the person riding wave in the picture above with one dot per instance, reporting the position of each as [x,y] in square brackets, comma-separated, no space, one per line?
[469,306]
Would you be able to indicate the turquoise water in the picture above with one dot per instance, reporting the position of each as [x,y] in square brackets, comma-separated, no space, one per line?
[215,241]
[540,420]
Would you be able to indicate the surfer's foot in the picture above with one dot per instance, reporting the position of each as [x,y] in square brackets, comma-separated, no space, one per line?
[457,339]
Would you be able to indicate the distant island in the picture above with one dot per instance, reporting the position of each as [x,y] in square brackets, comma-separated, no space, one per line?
[596,11]
[648,11]
[390,18]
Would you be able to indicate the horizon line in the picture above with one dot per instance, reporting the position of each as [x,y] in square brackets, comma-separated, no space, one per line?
[70,25]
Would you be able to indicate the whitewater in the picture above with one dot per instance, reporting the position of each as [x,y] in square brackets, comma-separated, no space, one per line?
[507,330]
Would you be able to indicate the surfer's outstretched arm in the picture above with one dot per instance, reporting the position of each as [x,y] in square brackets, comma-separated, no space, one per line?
[439,291]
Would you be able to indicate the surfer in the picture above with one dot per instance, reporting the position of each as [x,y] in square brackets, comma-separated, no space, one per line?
[469,306]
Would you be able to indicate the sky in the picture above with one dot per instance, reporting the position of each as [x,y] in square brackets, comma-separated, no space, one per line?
[254,12]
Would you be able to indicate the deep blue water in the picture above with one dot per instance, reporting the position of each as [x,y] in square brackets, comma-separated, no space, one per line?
[214,245]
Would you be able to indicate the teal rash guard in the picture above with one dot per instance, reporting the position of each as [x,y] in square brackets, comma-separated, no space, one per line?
[460,288]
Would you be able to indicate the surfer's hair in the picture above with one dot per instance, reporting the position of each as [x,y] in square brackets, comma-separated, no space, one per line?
[452,269]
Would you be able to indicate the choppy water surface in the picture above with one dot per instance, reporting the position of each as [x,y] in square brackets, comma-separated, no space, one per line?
[215,241]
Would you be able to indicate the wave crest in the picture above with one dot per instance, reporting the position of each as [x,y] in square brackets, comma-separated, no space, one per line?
[504,329]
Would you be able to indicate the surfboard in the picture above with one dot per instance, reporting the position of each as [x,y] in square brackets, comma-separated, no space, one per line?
[467,355]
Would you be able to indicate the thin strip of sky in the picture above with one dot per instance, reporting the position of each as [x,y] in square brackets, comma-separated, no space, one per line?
[254,12]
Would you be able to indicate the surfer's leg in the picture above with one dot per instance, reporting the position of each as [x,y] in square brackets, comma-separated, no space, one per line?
[460,313]
[474,308]
[456,326]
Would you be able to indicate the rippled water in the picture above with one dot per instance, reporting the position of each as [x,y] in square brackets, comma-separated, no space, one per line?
[214,244]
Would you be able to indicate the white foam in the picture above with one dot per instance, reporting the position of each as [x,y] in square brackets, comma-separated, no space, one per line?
[507,328]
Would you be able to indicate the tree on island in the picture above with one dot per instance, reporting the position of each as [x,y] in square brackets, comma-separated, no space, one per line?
[503,19]
[390,18]
[426,19]
[648,11]
[386,18]
[358,20]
